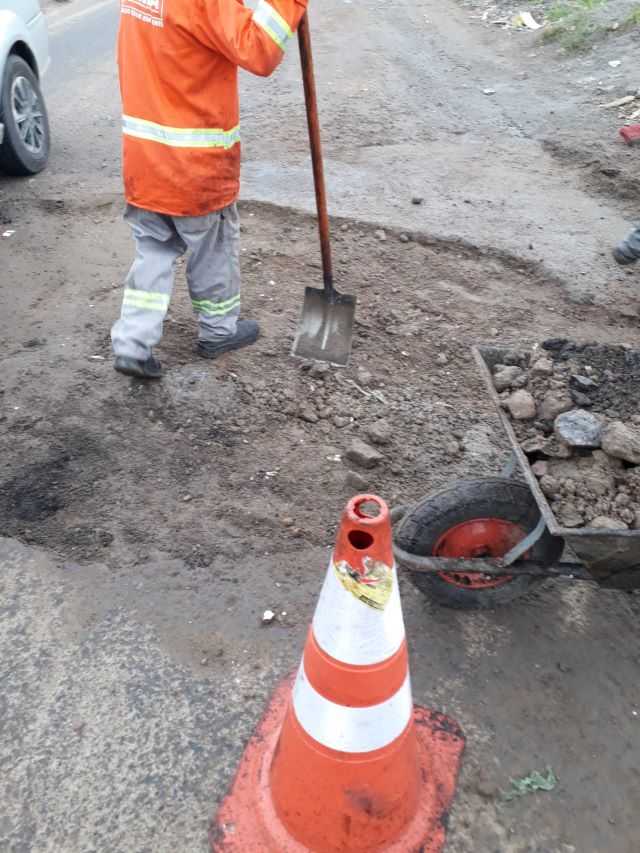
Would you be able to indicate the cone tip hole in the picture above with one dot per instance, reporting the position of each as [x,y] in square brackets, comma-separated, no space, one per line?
[368,507]
[360,539]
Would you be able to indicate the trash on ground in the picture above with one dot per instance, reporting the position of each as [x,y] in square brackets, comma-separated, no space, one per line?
[530,784]
[630,134]
[526,19]
[619,102]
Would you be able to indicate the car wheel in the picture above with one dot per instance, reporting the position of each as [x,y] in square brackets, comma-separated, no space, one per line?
[25,148]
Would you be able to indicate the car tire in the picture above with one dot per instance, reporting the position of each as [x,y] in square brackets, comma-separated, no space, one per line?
[25,148]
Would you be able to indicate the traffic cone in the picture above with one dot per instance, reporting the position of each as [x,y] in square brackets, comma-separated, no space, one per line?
[342,760]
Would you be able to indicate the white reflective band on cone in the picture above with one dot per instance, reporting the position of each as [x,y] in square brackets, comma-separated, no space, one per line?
[350,631]
[351,729]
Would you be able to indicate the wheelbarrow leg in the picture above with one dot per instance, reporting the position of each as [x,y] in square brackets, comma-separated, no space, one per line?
[528,542]
[510,467]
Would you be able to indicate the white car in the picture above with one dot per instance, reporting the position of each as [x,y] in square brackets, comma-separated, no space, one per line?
[24,58]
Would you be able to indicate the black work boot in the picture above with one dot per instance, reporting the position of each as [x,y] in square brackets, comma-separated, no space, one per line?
[628,251]
[247,332]
[147,369]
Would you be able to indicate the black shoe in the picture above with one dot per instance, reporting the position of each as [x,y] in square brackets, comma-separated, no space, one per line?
[247,332]
[148,369]
[623,255]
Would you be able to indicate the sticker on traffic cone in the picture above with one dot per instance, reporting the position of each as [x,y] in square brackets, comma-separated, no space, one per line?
[342,760]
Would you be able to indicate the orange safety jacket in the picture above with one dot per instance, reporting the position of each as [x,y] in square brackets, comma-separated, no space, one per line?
[178,63]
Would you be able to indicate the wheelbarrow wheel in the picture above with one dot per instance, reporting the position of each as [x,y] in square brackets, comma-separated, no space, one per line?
[475,517]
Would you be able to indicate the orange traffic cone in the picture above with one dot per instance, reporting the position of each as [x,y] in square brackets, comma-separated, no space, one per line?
[342,760]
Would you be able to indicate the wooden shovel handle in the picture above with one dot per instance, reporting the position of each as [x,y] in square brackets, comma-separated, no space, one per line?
[308,78]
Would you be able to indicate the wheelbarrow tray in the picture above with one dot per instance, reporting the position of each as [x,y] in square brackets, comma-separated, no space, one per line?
[612,557]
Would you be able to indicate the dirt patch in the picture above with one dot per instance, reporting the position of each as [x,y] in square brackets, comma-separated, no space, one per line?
[575,411]
[599,173]
[220,458]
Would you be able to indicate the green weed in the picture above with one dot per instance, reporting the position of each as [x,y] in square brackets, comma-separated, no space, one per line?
[530,784]
[574,24]
[632,20]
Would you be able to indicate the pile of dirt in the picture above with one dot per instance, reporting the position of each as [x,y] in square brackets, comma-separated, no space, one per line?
[575,410]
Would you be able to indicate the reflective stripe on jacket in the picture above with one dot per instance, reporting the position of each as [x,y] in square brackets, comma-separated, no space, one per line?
[178,62]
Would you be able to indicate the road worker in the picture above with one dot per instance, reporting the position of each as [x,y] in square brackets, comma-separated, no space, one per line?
[628,251]
[178,63]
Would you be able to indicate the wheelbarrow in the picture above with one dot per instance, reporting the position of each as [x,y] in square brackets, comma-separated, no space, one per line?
[484,541]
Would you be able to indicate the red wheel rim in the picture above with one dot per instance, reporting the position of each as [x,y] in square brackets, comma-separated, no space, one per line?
[478,537]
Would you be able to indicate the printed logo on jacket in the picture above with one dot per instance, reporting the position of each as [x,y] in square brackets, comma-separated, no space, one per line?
[148,11]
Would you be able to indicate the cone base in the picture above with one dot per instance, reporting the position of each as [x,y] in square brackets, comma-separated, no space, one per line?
[246,821]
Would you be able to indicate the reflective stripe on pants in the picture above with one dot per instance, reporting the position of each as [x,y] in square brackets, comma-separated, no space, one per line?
[213,276]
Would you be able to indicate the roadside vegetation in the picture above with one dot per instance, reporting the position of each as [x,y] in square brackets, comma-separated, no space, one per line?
[575,24]
[571,24]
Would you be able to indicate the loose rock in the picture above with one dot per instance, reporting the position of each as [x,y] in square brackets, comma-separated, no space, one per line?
[521,406]
[540,468]
[584,384]
[579,429]
[362,454]
[549,485]
[605,461]
[556,449]
[622,442]
[486,789]
[504,376]
[542,367]
[608,523]
[596,482]
[554,404]
[570,517]
[581,400]
[363,376]
[356,481]
[584,443]
[308,415]
[380,432]
[534,444]
[320,369]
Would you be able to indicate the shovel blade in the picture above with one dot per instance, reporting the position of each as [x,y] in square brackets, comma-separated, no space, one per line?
[326,327]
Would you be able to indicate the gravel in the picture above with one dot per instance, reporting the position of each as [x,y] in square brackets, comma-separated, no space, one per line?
[587,461]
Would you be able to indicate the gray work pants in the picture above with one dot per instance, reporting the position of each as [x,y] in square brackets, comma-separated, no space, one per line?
[631,243]
[213,276]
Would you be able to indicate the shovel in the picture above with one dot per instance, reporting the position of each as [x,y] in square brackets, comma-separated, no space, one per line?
[326,326]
